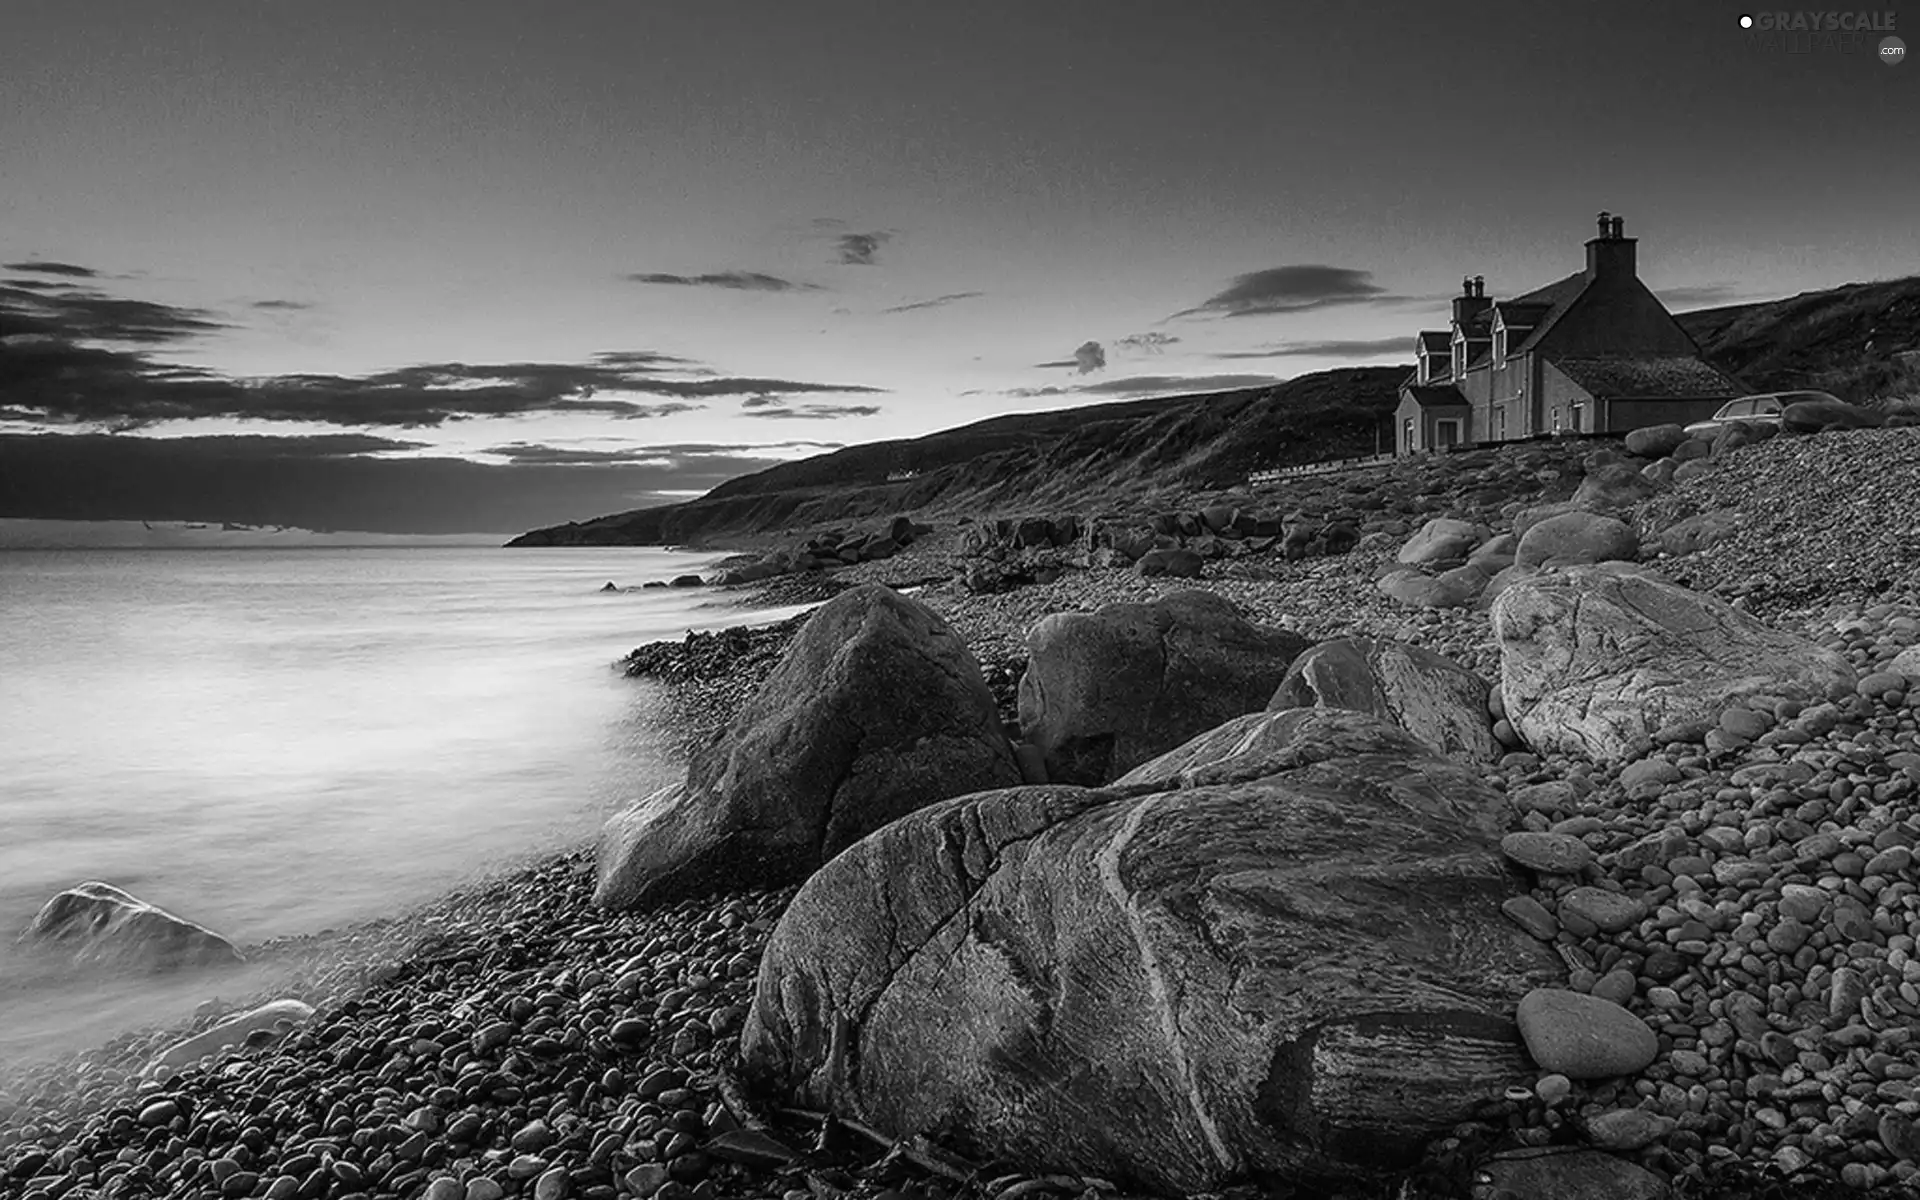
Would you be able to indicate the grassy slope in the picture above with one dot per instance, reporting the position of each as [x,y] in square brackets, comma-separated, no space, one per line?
[1142,452]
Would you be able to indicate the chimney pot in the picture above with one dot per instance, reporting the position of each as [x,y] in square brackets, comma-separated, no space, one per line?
[1479,285]
[1605,217]
[1619,228]
[1466,285]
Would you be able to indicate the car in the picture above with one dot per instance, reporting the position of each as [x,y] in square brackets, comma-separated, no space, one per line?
[1762,409]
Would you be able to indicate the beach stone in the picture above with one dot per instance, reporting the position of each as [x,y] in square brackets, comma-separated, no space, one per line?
[1574,538]
[1105,691]
[1616,986]
[1556,1173]
[1532,916]
[1610,912]
[1698,532]
[1173,562]
[1548,853]
[1612,486]
[1820,416]
[1443,539]
[1901,1137]
[234,1031]
[1594,659]
[1415,588]
[875,709]
[1584,1036]
[1655,441]
[1648,777]
[1435,699]
[1628,1129]
[97,924]
[1193,959]
[1906,664]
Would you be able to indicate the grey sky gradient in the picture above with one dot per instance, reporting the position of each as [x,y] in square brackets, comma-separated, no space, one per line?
[342,217]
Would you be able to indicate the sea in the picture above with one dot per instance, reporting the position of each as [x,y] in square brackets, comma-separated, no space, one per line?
[277,742]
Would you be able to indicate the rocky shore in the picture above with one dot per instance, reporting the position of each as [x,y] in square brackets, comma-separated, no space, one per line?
[1746,891]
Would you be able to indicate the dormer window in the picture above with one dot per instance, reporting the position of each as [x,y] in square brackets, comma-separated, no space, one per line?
[1459,356]
[1499,342]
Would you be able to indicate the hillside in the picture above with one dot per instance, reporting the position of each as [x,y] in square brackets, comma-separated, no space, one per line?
[1841,340]
[1103,454]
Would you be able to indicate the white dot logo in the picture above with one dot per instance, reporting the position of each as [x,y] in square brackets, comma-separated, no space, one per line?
[1893,51]
[1746,22]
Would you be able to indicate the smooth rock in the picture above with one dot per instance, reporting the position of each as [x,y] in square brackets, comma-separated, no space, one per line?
[1548,853]
[1584,1036]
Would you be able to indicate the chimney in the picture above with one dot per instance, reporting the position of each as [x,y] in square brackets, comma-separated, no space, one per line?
[1611,254]
[1470,300]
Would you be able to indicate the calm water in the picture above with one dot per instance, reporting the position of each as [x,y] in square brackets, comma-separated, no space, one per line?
[276,742]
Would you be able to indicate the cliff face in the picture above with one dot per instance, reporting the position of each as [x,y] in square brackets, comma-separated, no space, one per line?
[1084,456]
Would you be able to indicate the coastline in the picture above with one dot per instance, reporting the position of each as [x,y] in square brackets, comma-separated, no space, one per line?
[514,1003]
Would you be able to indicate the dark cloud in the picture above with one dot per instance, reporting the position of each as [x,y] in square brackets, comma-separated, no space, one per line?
[276,481]
[282,305]
[1151,342]
[86,314]
[1333,348]
[936,302]
[741,281]
[860,249]
[1090,357]
[66,361]
[1292,289]
[1136,386]
[41,266]
[814,412]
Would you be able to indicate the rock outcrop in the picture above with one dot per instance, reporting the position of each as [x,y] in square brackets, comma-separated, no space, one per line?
[1437,700]
[1105,691]
[1278,949]
[97,924]
[1594,659]
[876,709]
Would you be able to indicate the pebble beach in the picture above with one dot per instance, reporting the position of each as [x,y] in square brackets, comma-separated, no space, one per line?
[1747,891]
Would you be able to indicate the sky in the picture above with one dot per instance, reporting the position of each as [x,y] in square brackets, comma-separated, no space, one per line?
[459,265]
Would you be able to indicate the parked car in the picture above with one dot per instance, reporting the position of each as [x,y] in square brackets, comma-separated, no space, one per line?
[1763,409]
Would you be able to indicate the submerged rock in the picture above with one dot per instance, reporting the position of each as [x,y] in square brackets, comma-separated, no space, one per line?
[97,924]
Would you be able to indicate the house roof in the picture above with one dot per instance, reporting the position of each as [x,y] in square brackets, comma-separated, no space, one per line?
[1437,396]
[1520,314]
[1556,297]
[1647,378]
[1434,339]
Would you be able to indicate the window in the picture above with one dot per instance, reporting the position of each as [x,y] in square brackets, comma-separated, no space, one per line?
[1407,434]
[1500,423]
[1499,343]
[1575,417]
[1446,434]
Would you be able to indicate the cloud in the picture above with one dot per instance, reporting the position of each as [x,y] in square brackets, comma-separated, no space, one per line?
[1090,357]
[282,305]
[738,459]
[1151,342]
[1704,295]
[936,302]
[41,266]
[1292,289]
[1332,348]
[81,313]
[320,483]
[1136,386]
[71,360]
[860,249]
[814,412]
[740,281]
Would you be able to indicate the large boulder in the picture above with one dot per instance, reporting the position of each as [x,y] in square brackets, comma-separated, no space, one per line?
[1443,539]
[1612,485]
[876,709]
[1277,951]
[1594,659]
[1457,588]
[1819,416]
[1655,441]
[1701,530]
[1105,691]
[1574,538]
[97,925]
[1428,695]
